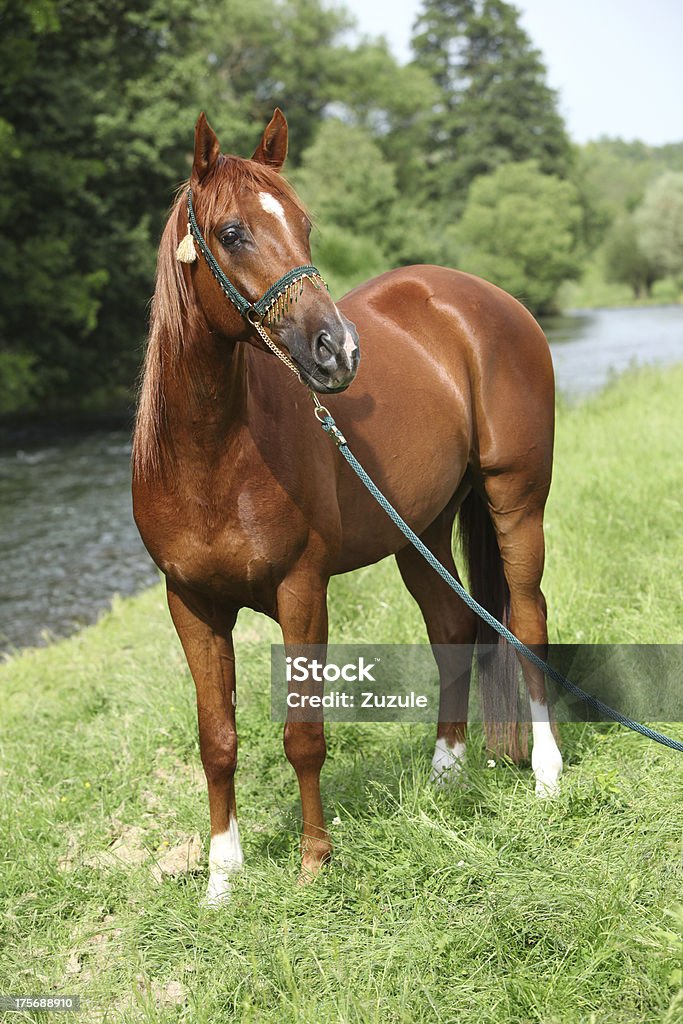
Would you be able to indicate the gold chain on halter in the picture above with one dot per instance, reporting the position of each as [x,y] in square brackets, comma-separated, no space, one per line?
[282,356]
[320,411]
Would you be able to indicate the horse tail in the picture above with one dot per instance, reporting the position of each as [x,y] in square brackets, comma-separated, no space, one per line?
[498,669]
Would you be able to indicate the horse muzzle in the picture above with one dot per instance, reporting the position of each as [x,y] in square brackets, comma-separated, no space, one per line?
[329,361]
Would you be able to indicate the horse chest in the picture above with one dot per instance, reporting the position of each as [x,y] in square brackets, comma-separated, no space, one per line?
[236,542]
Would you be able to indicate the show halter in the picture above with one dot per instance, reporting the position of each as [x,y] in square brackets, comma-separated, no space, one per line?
[274,302]
[272,305]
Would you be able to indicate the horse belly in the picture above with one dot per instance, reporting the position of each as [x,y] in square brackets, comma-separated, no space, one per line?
[368,532]
[417,455]
[408,417]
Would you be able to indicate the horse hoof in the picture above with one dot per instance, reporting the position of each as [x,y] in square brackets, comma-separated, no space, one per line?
[547,787]
[546,764]
[308,875]
[447,763]
[312,865]
[450,776]
[218,891]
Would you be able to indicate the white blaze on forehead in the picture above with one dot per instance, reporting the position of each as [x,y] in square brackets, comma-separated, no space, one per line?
[272,205]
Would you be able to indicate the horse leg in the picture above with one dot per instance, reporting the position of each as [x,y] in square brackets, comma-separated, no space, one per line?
[449,622]
[518,521]
[206,635]
[302,614]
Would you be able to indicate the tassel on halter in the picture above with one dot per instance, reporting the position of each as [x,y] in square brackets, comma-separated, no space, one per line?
[291,293]
[186,252]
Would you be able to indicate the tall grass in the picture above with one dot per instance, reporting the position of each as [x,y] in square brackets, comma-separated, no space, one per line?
[475,903]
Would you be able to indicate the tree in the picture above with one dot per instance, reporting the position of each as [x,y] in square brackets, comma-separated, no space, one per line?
[494,105]
[617,172]
[346,180]
[100,99]
[519,230]
[659,221]
[625,261]
[351,191]
[265,53]
[392,102]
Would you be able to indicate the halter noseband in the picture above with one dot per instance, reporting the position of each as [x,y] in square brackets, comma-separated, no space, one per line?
[273,304]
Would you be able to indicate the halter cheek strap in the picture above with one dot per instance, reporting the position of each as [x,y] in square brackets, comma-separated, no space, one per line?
[273,304]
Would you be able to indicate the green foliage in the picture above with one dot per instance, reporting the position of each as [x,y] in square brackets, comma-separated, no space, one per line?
[625,260]
[495,106]
[351,191]
[612,177]
[423,234]
[519,230]
[660,224]
[365,223]
[345,180]
[593,291]
[346,258]
[265,53]
[617,173]
[17,381]
[393,103]
[99,100]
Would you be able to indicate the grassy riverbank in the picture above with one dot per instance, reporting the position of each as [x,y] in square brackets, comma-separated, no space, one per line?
[477,904]
[592,291]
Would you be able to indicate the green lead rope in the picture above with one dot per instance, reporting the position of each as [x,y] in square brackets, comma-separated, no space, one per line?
[330,427]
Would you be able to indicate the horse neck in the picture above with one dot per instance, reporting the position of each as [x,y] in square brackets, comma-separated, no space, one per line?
[204,395]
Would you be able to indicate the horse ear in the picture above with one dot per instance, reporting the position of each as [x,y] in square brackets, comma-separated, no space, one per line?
[206,149]
[272,149]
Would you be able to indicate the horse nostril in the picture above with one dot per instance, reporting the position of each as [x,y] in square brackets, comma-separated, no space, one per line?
[323,348]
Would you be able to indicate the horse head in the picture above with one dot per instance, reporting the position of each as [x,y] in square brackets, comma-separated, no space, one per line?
[257,233]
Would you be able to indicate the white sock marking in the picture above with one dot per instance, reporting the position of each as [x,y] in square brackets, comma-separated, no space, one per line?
[225,858]
[272,205]
[546,759]
[447,761]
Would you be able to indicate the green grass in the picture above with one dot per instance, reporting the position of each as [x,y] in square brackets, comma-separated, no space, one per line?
[592,291]
[473,904]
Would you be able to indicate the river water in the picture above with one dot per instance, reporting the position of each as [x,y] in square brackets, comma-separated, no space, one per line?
[67,537]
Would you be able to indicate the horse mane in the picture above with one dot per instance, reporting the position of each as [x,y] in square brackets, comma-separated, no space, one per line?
[176,318]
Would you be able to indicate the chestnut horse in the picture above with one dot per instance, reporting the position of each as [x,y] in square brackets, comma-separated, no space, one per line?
[242,501]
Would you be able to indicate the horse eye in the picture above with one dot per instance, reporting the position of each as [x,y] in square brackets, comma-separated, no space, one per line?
[230,238]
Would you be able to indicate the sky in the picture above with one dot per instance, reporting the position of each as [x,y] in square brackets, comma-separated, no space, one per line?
[617,64]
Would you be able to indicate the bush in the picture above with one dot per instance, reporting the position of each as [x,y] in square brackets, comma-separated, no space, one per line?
[519,230]
[17,381]
[346,259]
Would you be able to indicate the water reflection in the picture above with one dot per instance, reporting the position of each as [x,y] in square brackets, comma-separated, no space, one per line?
[67,536]
[591,346]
